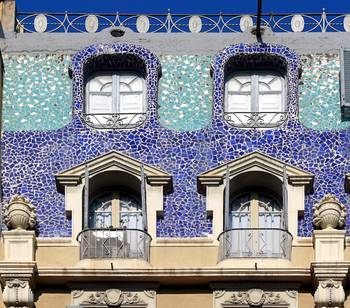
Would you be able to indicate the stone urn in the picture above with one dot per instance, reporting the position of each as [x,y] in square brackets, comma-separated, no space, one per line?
[329,213]
[19,214]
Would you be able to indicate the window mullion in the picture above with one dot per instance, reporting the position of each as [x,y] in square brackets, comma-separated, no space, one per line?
[255,93]
[254,210]
[116,94]
[116,210]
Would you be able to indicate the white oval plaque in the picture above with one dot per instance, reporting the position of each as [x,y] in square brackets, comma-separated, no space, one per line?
[195,24]
[40,23]
[346,23]
[91,23]
[297,23]
[142,24]
[245,22]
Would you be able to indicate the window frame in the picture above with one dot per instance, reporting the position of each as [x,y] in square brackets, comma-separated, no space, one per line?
[254,97]
[116,211]
[254,210]
[115,95]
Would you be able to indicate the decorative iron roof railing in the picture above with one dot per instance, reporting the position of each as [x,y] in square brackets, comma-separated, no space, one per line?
[168,23]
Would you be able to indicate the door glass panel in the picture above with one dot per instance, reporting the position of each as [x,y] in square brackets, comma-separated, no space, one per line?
[100,212]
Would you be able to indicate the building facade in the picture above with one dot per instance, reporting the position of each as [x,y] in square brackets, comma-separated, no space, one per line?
[174,161]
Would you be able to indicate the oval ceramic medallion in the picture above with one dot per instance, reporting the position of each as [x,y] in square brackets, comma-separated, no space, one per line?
[245,22]
[40,23]
[297,23]
[142,24]
[195,24]
[91,23]
[346,23]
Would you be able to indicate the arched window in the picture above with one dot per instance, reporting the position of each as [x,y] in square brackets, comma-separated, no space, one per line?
[115,98]
[115,209]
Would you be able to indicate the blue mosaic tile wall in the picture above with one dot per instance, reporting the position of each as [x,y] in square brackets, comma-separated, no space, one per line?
[30,158]
[185,92]
[37,92]
[319,92]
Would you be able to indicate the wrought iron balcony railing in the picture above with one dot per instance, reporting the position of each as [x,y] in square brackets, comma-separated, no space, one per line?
[169,23]
[255,243]
[114,120]
[114,243]
[255,119]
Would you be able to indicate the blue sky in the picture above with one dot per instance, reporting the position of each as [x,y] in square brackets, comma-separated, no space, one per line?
[182,6]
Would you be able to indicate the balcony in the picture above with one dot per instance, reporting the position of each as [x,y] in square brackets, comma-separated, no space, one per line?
[255,243]
[114,243]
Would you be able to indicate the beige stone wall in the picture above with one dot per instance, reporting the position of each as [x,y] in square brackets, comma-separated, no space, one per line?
[305,300]
[166,254]
[49,256]
[182,299]
[49,298]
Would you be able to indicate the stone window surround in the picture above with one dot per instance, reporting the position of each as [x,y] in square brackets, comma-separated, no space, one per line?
[71,182]
[212,184]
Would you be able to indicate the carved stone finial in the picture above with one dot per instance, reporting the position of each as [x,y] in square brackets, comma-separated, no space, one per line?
[329,213]
[330,294]
[19,214]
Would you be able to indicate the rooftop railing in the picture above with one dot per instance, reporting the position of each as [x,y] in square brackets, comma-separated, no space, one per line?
[114,243]
[255,243]
[169,23]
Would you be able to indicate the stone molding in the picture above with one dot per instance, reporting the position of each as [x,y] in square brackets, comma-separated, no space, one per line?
[17,279]
[329,278]
[114,298]
[255,297]
[116,161]
[268,164]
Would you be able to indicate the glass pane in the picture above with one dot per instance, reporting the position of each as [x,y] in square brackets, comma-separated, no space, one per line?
[270,83]
[240,212]
[270,212]
[100,103]
[130,212]
[100,212]
[233,85]
[101,84]
[270,102]
[131,103]
[238,103]
[131,83]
